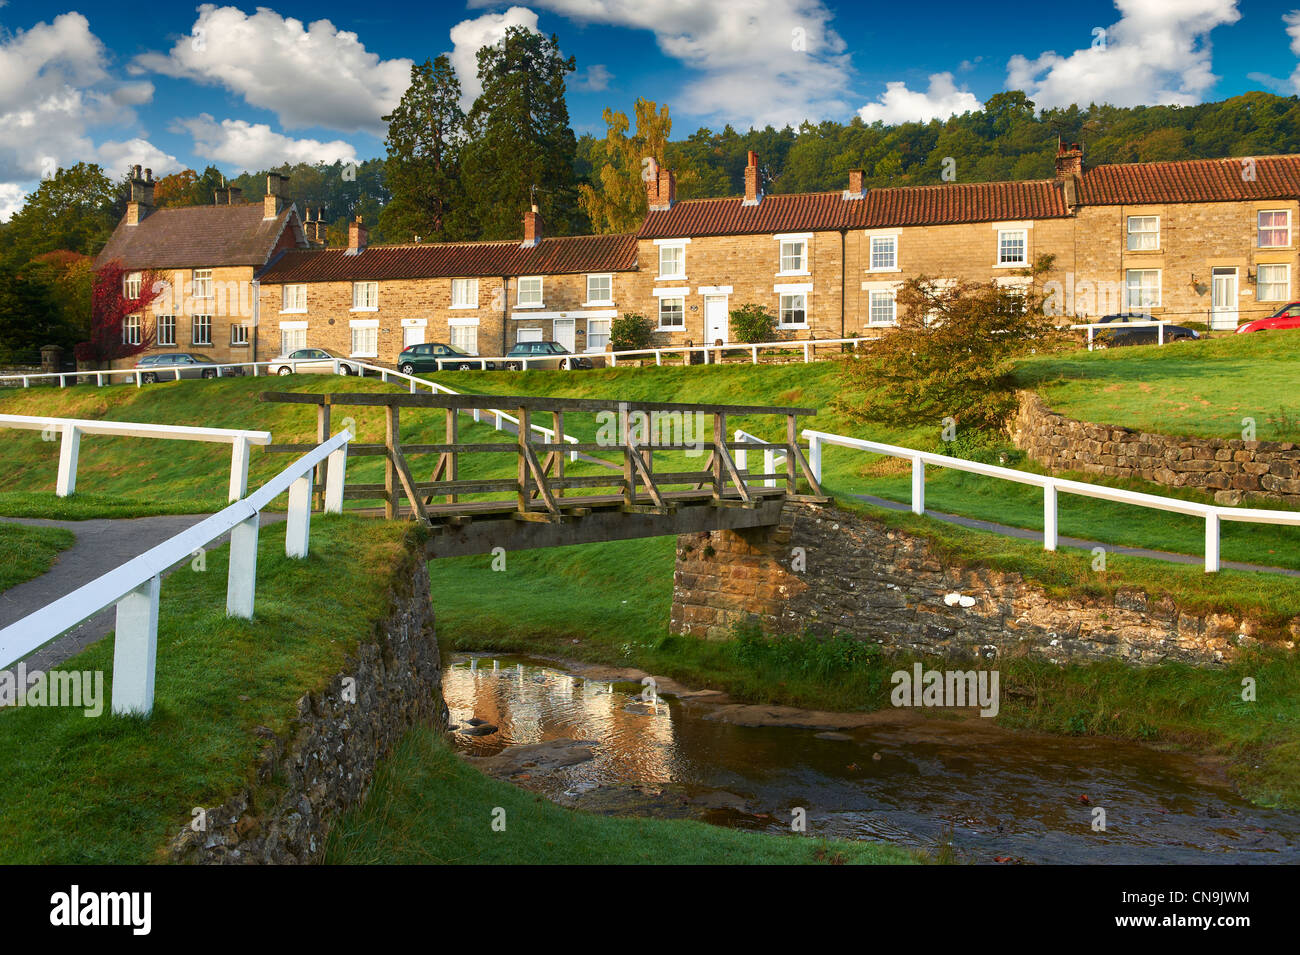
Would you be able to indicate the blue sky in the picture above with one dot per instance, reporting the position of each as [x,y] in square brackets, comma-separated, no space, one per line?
[237,86]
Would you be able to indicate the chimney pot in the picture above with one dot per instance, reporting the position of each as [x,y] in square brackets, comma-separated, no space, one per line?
[857,182]
[532,227]
[357,235]
[1069,162]
[661,190]
[753,190]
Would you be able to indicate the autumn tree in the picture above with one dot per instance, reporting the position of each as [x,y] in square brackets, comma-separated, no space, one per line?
[113,300]
[617,202]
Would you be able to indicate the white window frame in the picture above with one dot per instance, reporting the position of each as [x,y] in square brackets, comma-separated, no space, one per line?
[292,330]
[362,299]
[1260,230]
[1285,284]
[606,300]
[608,323]
[201,285]
[663,299]
[679,246]
[293,299]
[1138,235]
[133,329]
[783,309]
[203,322]
[519,292]
[167,322]
[458,326]
[1023,261]
[131,285]
[468,293]
[534,335]
[364,325]
[1131,307]
[872,239]
[800,264]
[893,307]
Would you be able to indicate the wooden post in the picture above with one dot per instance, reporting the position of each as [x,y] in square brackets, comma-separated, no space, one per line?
[298,523]
[629,470]
[719,449]
[1049,516]
[1212,542]
[525,425]
[918,485]
[239,468]
[241,580]
[335,479]
[393,442]
[453,437]
[135,649]
[322,435]
[791,453]
[558,421]
[69,450]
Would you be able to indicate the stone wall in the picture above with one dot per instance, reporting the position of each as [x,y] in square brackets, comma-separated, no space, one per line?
[892,588]
[1230,469]
[323,765]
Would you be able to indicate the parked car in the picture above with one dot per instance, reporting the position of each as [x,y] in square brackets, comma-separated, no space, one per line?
[546,355]
[426,357]
[1141,335]
[318,361]
[1288,316]
[165,367]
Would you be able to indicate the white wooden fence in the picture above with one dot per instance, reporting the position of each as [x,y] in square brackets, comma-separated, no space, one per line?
[136,585]
[771,460]
[1212,514]
[1094,327]
[71,430]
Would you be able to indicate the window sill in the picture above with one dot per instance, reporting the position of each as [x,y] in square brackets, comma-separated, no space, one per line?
[784,327]
[670,278]
[293,311]
[597,305]
[1142,251]
[893,271]
[455,308]
[366,308]
[538,305]
[782,275]
[1011,265]
[671,328]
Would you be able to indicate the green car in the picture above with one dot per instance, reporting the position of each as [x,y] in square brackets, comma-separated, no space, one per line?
[429,356]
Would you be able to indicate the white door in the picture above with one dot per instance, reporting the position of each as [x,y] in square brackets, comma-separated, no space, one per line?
[528,335]
[1223,294]
[412,336]
[715,318]
[563,330]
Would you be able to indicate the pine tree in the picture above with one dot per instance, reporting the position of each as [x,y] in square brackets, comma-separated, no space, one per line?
[425,134]
[520,146]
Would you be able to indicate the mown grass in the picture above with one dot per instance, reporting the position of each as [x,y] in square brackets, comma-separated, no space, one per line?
[114,790]
[28,552]
[609,603]
[426,806]
[1201,389]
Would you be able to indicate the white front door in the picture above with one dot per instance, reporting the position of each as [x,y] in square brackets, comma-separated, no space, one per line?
[715,318]
[1223,296]
[563,330]
[412,335]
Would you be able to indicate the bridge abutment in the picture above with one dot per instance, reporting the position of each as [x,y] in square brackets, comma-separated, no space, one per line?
[824,570]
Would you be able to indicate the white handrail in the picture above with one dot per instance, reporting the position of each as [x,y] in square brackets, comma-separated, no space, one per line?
[71,430]
[770,457]
[1212,514]
[135,585]
[1144,323]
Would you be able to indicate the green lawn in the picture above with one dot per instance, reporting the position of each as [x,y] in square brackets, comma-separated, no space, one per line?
[109,789]
[428,807]
[28,552]
[609,603]
[1203,389]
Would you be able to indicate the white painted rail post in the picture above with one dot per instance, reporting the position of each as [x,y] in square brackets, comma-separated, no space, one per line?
[135,649]
[335,478]
[815,456]
[1090,331]
[239,451]
[918,485]
[741,455]
[1049,516]
[241,584]
[298,529]
[1160,333]
[69,449]
[769,467]
[1212,542]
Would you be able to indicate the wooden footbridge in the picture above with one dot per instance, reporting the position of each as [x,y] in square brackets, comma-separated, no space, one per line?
[518,495]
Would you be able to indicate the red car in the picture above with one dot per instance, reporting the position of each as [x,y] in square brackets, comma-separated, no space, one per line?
[1288,316]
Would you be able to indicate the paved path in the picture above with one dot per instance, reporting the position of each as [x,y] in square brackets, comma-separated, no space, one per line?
[101,545]
[1029,535]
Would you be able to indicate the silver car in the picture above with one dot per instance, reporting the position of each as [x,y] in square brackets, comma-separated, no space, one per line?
[318,361]
[173,365]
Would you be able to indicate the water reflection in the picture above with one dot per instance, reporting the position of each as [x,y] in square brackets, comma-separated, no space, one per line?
[992,794]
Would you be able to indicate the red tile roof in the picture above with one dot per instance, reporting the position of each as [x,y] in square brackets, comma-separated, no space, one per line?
[830,211]
[552,256]
[197,237]
[1193,180]
[963,202]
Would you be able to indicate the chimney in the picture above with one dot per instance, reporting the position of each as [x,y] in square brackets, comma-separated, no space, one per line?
[856,183]
[1069,162]
[357,234]
[141,201]
[228,195]
[273,203]
[753,191]
[315,228]
[532,228]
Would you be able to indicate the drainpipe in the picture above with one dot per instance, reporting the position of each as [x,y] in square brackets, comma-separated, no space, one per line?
[505,312]
[844,282]
[257,318]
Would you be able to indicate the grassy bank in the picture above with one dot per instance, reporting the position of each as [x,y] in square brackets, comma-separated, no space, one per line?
[28,552]
[109,789]
[609,603]
[428,807]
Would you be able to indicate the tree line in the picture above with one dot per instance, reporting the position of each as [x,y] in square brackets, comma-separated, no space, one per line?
[453,175]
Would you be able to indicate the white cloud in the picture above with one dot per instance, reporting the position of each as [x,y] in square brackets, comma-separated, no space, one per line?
[12,197]
[593,79]
[470,36]
[898,104]
[248,146]
[55,89]
[1158,53]
[313,75]
[756,62]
